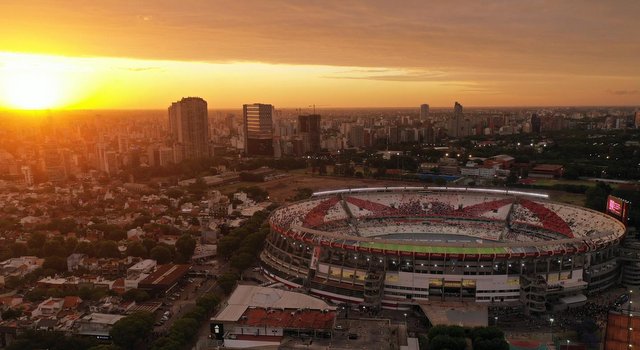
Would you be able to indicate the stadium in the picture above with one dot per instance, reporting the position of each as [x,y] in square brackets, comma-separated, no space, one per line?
[402,246]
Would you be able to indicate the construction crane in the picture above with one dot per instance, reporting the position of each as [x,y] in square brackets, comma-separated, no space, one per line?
[314,107]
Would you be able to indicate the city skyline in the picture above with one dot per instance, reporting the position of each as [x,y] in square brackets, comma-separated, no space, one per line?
[82,56]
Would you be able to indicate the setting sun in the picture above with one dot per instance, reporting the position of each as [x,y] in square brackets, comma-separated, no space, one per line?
[32,82]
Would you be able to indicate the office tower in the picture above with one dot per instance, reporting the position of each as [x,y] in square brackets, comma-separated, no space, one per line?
[258,129]
[356,136]
[455,124]
[123,143]
[310,125]
[54,164]
[189,127]
[536,124]
[393,136]
[27,175]
[424,112]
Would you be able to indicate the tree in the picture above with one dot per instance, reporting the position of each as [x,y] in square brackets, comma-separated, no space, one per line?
[174,193]
[70,245]
[454,331]
[186,245]
[10,314]
[133,330]
[63,225]
[36,240]
[597,196]
[227,282]
[208,301]
[184,329]
[166,343]
[108,249]
[137,249]
[137,295]
[86,248]
[227,245]
[54,248]
[56,263]
[302,193]
[149,244]
[18,249]
[490,344]
[571,172]
[12,282]
[256,193]
[242,261]
[446,342]
[161,254]
[105,347]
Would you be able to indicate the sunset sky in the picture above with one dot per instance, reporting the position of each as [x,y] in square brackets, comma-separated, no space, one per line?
[146,54]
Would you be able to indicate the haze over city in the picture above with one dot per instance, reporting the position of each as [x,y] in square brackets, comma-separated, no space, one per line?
[415,175]
[114,55]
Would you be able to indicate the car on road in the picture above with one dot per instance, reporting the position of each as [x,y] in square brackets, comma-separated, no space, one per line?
[621,300]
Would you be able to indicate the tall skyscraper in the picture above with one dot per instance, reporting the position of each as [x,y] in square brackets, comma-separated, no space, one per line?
[189,127]
[356,136]
[456,122]
[424,112]
[258,129]
[310,125]
[536,124]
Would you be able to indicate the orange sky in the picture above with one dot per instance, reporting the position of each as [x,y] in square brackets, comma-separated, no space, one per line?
[145,54]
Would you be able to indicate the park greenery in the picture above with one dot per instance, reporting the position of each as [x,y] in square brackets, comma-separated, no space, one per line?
[457,338]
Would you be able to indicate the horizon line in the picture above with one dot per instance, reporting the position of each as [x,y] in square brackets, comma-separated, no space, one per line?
[323,108]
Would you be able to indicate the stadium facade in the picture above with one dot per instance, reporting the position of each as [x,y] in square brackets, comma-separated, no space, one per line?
[398,247]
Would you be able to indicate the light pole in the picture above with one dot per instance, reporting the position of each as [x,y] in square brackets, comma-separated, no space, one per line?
[629,328]
[568,342]
[551,328]
[495,321]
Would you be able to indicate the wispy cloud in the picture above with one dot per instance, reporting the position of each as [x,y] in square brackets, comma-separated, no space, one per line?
[389,75]
[623,92]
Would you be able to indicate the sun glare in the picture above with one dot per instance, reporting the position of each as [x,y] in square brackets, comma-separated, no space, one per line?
[32,82]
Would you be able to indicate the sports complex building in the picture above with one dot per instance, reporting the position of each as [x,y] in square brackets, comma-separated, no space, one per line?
[402,246]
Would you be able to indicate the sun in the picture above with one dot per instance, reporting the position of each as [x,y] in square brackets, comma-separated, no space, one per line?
[32,82]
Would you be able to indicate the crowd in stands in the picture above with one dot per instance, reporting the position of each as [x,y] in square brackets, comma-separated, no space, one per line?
[487,217]
[550,220]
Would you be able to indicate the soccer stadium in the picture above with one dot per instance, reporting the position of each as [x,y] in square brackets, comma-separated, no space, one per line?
[398,247]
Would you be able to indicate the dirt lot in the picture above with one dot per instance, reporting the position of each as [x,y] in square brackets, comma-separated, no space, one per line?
[281,190]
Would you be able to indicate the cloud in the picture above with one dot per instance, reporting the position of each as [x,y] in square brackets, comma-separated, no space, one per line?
[594,38]
[389,75]
[622,92]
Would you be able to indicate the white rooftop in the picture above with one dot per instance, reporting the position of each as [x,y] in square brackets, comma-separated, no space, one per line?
[254,296]
[102,318]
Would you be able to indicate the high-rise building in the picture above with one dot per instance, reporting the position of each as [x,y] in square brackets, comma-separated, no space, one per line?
[456,122]
[310,125]
[536,124]
[424,112]
[258,129]
[356,136]
[27,174]
[189,127]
